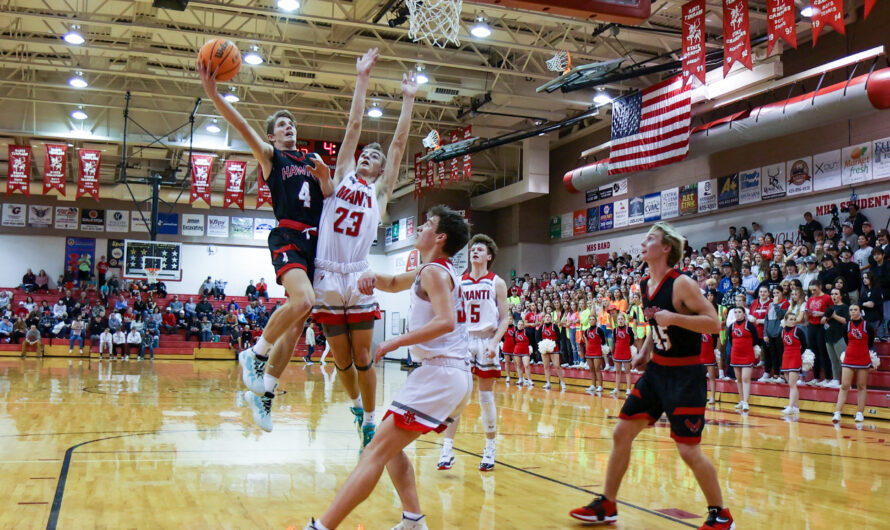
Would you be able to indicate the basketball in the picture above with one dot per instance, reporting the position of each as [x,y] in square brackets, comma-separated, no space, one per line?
[221,56]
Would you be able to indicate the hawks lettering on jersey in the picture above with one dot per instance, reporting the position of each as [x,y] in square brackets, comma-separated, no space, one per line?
[481,304]
[349,222]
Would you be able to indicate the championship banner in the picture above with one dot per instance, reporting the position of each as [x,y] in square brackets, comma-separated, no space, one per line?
[780,24]
[430,173]
[454,164]
[88,177]
[263,195]
[830,12]
[55,166]
[736,34]
[468,159]
[443,177]
[235,171]
[869,5]
[694,41]
[418,182]
[202,175]
[19,170]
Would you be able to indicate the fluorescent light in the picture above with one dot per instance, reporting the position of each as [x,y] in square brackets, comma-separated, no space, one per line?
[375,112]
[212,127]
[253,57]
[422,78]
[481,29]
[807,12]
[79,114]
[74,37]
[77,81]
[602,98]
[231,97]
[288,5]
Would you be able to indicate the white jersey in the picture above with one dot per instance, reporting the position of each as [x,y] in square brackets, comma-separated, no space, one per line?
[481,302]
[453,344]
[348,225]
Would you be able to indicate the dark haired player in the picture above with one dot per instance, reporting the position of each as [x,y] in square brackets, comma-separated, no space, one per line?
[298,185]
[673,383]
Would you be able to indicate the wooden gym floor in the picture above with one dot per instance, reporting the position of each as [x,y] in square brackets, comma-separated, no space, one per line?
[164,445]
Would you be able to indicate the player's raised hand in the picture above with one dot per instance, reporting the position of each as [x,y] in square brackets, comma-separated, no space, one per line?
[321,171]
[366,62]
[409,84]
[208,79]
[367,282]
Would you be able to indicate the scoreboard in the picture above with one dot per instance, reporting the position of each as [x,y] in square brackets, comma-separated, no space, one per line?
[327,150]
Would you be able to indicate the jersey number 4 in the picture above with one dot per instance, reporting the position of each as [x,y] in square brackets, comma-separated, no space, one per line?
[348,222]
[305,195]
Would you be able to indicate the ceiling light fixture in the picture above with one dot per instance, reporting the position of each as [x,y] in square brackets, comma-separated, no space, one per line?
[212,127]
[481,29]
[231,96]
[602,98]
[375,111]
[807,12]
[421,77]
[79,114]
[77,80]
[74,36]
[253,57]
[288,5]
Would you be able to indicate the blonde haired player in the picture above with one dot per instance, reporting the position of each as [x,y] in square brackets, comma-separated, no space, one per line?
[298,184]
[485,299]
[348,228]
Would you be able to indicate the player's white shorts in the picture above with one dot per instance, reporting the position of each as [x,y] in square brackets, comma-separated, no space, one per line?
[433,395]
[337,298]
[483,366]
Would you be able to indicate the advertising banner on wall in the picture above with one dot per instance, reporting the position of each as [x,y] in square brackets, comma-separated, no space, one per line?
[262,227]
[620,210]
[92,220]
[635,212]
[192,224]
[827,170]
[856,166]
[772,181]
[77,247]
[670,203]
[139,221]
[749,186]
[555,227]
[607,216]
[409,227]
[117,221]
[800,176]
[40,216]
[115,253]
[168,223]
[67,218]
[689,199]
[707,195]
[728,190]
[652,207]
[881,159]
[241,227]
[566,224]
[593,219]
[217,226]
[14,215]
[579,222]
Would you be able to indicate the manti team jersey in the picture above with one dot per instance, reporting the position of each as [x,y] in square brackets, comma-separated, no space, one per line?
[455,343]
[673,345]
[481,303]
[348,222]
[296,193]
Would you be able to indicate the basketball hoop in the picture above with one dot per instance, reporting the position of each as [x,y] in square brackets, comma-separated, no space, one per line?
[432,140]
[561,62]
[435,22]
[152,274]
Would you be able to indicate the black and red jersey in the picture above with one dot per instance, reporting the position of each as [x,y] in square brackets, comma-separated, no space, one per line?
[671,342]
[296,193]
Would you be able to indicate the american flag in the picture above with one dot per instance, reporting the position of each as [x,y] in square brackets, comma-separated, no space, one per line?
[650,128]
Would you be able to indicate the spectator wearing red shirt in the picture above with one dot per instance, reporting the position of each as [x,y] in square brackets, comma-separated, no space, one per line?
[569,268]
[817,303]
[169,321]
[262,290]
[515,290]
[101,270]
[766,248]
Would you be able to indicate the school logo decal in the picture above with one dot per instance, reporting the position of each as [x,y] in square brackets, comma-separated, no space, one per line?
[694,427]
[408,418]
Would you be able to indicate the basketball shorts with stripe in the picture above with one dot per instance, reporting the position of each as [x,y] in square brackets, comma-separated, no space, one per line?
[432,397]
[338,300]
[483,366]
[681,392]
[292,249]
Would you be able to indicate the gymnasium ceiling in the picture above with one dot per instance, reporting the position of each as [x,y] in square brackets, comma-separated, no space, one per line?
[310,56]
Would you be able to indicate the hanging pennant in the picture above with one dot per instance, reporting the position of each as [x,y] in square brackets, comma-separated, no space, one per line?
[736,34]
[780,24]
[202,175]
[694,41]
[88,177]
[235,171]
[454,163]
[869,5]
[430,173]
[468,158]
[418,181]
[263,194]
[55,167]
[830,12]
[19,170]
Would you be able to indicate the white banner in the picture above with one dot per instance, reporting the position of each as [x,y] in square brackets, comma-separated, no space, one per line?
[772,181]
[800,175]
[117,221]
[217,226]
[749,186]
[856,164]
[881,160]
[262,227]
[707,195]
[620,211]
[827,170]
[241,227]
[635,210]
[140,221]
[670,203]
[566,225]
[67,218]
[40,216]
[403,228]
[14,215]
[192,224]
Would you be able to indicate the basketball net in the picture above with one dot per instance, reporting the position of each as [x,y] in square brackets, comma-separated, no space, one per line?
[435,22]
[561,62]
[152,274]
[431,141]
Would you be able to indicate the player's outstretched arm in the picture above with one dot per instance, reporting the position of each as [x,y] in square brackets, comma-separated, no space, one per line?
[436,283]
[346,158]
[500,293]
[322,172]
[399,142]
[260,148]
[703,317]
[385,282]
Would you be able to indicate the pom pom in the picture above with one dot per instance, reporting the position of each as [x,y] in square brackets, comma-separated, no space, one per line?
[757,352]
[875,360]
[843,356]
[546,346]
[606,350]
[807,359]
[633,350]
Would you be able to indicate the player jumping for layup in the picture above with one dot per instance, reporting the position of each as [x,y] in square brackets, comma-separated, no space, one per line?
[674,381]
[348,227]
[298,184]
[436,392]
[485,297]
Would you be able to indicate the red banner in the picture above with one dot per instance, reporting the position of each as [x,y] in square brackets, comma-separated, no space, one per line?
[88,176]
[468,159]
[430,173]
[235,171]
[55,167]
[827,12]
[440,172]
[869,5]
[19,170]
[418,181]
[454,164]
[780,23]
[736,34]
[263,195]
[202,176]
[694,41]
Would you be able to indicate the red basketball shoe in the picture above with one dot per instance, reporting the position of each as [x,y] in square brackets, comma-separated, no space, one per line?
[600,511]
[718,520]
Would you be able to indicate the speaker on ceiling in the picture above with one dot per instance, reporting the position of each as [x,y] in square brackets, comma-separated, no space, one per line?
[178,5]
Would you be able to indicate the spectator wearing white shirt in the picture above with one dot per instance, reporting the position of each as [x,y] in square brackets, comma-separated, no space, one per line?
[134,340]
[862,255]
[5,300]
[59,309]
[105,341]
[119,339]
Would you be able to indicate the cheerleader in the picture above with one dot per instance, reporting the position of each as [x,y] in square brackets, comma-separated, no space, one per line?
[794,343]
[521,351]
[744,341]
[551,333]
[594,341]
[508,345]
[622,340]
[856,360]
[709,355]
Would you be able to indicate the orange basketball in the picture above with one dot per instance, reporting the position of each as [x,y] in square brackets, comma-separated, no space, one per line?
[221,56]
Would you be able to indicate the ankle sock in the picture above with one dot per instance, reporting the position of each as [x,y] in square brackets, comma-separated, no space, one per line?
[412,516]
[270,382]
[318,526]
[368,418]
[261,348]
[357,402]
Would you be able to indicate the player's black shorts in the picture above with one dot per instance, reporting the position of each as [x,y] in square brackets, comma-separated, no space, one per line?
[292,249]
[679,391]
